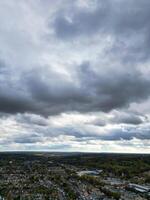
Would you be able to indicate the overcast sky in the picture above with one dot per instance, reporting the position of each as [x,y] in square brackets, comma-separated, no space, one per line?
[75,75]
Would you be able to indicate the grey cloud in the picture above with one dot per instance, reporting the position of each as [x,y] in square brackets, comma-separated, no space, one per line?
[128,118]
[81,22]
[94,88]
[113,89]
[111,135]
[95,92]
[99,122]
[47,93]
[14,104]
[88,132]
[129,134]
[27,139]
[131,120]
[129,27]
[13,95]
[108,16]
[31,119]
[3,67]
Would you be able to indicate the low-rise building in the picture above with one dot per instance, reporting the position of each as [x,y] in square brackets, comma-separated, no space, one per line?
[138,188]
[89,172]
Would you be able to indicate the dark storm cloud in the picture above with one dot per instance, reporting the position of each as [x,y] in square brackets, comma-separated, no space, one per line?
[17,104]
[114,89]
[96,91]
[13,95]
[52,93]
[48,93]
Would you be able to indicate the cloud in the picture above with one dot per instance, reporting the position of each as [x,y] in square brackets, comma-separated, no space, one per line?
[128,28]
[88,86]
[31,119]
[74,74]
[128,118]
[27,139]
[45,92]
[71,131]
[76,22]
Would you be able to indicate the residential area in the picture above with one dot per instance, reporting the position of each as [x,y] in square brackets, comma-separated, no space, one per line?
[57,176]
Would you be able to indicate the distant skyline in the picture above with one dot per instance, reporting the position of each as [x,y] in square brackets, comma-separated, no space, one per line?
[75,75]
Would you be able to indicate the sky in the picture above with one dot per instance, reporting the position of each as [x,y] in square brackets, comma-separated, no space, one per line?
[74,75]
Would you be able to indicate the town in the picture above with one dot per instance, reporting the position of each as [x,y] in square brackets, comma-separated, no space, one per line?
[70,176]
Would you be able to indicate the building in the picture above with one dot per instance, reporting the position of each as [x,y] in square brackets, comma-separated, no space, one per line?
[89,172]
[138,188]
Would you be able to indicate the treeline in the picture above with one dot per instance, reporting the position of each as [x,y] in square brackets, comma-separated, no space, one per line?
[123,165]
